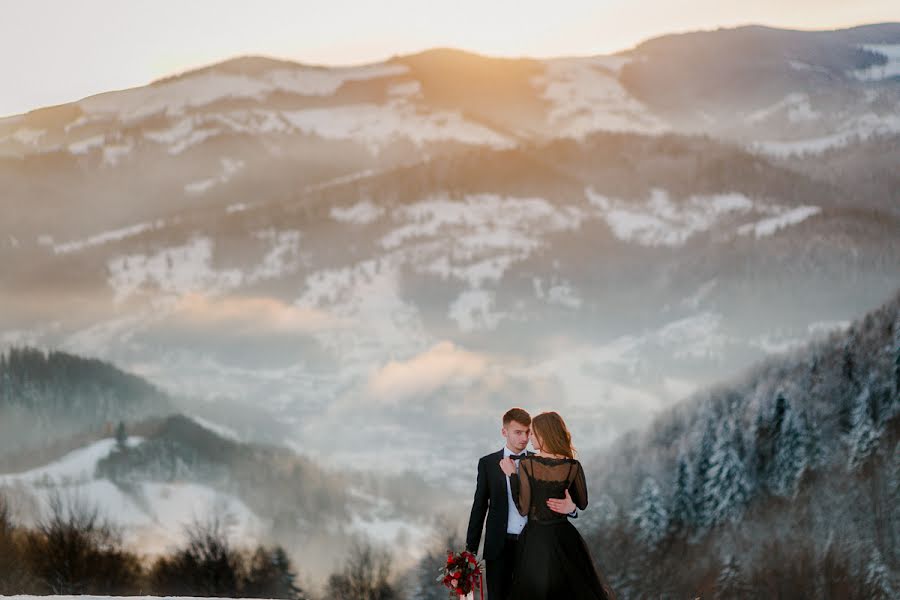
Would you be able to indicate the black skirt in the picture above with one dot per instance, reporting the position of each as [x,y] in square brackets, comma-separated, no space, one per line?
[554,563]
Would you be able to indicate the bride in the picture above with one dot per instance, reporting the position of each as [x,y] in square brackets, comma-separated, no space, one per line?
[552,560]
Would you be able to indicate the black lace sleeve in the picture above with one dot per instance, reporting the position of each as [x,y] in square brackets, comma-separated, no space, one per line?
[520,486]
[578,488]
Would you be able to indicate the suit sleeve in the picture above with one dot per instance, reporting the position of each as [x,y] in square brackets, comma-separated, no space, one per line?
[479,509]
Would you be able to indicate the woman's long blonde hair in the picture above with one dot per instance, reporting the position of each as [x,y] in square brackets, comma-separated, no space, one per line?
[553,434]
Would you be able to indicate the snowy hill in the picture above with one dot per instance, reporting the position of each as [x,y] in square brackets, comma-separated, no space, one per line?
[359,254]
[152,515]
[152,486]
[50,397]
[776,481]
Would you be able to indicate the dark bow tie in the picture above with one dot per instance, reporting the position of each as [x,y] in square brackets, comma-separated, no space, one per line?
[518,456]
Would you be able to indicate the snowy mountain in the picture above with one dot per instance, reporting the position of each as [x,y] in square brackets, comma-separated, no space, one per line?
[362,255]
[782,482]
[49,401]
[157,475]
[152,515]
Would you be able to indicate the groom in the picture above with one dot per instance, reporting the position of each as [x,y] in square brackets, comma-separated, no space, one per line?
[494,498]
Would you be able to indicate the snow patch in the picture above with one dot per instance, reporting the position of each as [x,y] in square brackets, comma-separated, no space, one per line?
[378,125]
[220,430]
[236,207]
[152,515]
[475,239]
[406,89]
[326,81]
[76,466]
[367,297]
[586,96]
[28,136]
[661,222]
[182,135]
[85,145]
[174,97]
[114,153]
[770,225]
[177,270]
[859,128]
[361,213]
[107,236]
[230,166]
[795,105]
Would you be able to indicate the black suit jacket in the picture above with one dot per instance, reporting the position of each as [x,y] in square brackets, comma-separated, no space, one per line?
[491,500]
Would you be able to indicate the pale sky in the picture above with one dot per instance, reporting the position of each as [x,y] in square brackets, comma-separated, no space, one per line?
[56,51]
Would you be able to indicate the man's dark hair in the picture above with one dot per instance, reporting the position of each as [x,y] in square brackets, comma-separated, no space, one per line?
[518,415]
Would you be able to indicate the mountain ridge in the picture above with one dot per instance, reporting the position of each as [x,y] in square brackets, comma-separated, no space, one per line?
[252,63]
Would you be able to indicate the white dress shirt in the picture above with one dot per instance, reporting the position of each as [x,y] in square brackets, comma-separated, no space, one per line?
[516,522]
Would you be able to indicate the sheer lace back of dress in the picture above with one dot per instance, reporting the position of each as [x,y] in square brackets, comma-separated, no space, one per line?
[540,478]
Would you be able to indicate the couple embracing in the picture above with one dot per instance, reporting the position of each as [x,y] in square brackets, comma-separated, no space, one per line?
[531,550]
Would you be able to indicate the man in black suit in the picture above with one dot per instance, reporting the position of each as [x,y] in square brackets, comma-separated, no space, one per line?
[494,499]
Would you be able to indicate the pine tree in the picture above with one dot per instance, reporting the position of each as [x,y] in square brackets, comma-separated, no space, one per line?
[726,489]
[895,398]
[270,575]
[682,512]
[649,515]
[814,453]
[893,499]
[847,369]
[790,460]
[704,456]
[878,578]
[863,436]
[605,511]
[121,437]
[730,582]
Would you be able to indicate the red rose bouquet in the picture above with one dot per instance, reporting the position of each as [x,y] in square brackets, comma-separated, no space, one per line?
[461,574]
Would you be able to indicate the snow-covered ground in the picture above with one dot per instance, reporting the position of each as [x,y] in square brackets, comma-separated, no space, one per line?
[152,515]
[75,467]
[86,597]
[586,95]
[858,128]
[177,95]
[660,221]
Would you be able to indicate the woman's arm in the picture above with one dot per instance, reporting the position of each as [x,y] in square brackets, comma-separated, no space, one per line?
[578,488]
[519,485]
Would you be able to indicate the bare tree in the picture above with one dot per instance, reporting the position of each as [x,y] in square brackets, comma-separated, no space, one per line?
[72,550]
[207,566]
[12,572]
[364,576]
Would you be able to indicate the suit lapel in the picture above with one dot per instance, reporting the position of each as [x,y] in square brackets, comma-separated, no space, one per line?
[499,479]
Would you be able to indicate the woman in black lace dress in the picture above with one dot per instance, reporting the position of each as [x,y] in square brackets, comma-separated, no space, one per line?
[552,561]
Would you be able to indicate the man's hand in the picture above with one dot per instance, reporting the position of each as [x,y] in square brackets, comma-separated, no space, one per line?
[562,506]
